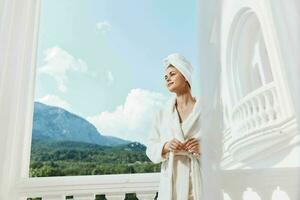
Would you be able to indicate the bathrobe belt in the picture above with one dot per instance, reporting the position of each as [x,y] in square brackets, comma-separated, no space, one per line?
[195,170]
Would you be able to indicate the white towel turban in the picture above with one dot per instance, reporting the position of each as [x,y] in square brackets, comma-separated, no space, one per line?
[181,63]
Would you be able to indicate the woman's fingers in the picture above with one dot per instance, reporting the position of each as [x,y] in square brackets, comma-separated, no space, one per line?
[193,146]
[178,143]
[195,149]
[175,145]
[191,143]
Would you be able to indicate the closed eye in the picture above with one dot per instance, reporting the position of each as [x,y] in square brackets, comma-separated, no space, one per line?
[171,73]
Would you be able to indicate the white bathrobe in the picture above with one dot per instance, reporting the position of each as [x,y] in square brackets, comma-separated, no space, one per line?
[182,170]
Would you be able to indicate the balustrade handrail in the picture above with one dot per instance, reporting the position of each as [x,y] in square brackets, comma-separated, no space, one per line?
[97,184]
[253,94]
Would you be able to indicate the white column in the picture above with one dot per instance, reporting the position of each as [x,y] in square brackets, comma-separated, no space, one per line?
[17,39]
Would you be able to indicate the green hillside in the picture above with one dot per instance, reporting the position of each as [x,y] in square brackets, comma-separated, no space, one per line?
[66,158]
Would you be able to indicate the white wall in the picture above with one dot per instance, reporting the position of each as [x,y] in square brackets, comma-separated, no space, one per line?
[280,27]
[287,15]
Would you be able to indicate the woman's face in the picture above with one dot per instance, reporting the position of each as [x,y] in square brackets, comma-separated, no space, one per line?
[175,81]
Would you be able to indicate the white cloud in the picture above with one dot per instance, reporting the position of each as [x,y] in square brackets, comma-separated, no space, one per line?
[53,100]
[104,26]
[132,120]
[57,63]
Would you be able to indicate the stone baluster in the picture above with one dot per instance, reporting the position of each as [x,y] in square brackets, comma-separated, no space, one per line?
[53,197]
[257,108]
[282,195]
[84,197]
[254,112]
[268,107]
[226,196]
[235,195]
[260,109]
[264,115]
[267,193]
[276,106]
[115,196]
[248,116]
[146,195]
[272,108]
[250,194]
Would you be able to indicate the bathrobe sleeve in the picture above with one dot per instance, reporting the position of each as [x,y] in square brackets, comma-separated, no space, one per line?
[155,143]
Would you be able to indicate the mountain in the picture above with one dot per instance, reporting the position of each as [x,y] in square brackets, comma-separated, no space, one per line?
[39,144]
[55,123]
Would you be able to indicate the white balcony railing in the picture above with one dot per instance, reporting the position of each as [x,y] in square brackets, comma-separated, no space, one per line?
[257,110]
[261,184]
[255,184]
[114,187]
[258,123]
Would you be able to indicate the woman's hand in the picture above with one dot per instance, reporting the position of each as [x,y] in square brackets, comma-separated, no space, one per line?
[173,145]
[192,145]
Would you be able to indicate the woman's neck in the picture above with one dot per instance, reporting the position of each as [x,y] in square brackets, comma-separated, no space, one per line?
[184,99]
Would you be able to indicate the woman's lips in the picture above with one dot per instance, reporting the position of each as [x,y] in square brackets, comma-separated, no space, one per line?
[170,84]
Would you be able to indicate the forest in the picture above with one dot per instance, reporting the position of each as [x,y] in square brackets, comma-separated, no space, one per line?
[66,158]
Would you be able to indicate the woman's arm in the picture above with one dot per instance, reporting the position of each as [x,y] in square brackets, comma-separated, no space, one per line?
[155,146]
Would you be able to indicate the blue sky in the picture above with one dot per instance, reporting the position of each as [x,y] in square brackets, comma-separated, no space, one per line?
[102,59]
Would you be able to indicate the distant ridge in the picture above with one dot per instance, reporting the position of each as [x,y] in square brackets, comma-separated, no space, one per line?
[58,124]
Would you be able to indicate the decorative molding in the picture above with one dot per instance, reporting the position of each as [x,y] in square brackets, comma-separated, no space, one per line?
[253,135]
[262,144]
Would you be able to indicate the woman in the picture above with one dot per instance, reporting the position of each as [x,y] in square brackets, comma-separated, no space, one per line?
[175,138]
